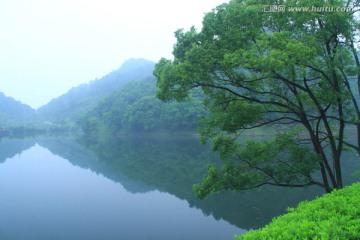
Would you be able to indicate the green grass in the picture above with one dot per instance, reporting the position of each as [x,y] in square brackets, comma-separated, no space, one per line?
[332,216]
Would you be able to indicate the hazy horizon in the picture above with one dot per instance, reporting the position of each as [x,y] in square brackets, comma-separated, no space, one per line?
[49,47]
[77,85]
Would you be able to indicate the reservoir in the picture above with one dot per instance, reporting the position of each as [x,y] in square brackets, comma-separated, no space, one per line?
[123,188]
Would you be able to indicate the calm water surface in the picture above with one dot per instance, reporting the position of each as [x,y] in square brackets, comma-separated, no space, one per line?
[69,188]
[44,196]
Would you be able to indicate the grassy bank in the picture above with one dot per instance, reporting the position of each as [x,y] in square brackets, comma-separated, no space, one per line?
[333,216]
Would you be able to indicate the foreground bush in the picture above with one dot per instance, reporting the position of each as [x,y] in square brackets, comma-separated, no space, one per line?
[333,216]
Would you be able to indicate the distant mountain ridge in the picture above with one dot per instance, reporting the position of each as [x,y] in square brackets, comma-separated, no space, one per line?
[80,99]
[13,111]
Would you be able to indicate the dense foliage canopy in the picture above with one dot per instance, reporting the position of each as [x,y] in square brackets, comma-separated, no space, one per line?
[333,216]
[299,70]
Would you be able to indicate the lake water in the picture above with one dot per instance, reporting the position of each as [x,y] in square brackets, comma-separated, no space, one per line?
[72,188]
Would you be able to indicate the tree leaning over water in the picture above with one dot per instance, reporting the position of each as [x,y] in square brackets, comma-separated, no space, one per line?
[300,70]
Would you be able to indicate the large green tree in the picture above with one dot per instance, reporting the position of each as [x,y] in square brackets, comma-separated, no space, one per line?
[263,68]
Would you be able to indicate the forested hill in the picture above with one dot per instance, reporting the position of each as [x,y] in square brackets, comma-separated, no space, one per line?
[124,100]
[134,108]
[76,102]
[14,112]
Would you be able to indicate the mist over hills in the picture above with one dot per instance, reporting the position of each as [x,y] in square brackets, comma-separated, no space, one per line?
[123,100]
[14,112]
[77,101]
[80,99]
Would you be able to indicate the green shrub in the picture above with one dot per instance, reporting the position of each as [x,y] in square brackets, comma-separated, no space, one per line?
[333,216]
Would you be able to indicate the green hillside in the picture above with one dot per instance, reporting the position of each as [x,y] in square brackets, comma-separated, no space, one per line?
[134,108]
[122,101]
[13,112]
[78,100]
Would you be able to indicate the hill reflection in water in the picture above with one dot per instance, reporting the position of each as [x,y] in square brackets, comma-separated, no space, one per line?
[169,165]
[173,165]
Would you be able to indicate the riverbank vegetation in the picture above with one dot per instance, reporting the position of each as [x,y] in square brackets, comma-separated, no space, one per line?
[333,216]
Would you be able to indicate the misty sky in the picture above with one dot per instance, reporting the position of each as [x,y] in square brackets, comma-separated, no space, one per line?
[47,46]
